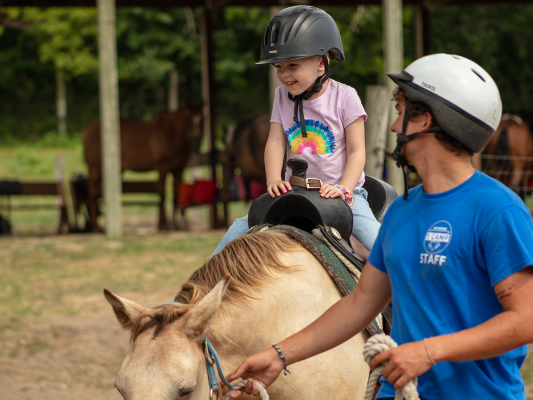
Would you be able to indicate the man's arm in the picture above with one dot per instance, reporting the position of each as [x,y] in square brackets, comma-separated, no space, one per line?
[340,322]
[502,333]
[343,320]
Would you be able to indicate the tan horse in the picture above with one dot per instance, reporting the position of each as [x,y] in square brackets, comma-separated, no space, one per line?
[509,160]
[269,288]
[164,144]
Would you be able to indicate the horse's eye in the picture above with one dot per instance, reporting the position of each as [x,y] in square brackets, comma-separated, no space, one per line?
[185,393]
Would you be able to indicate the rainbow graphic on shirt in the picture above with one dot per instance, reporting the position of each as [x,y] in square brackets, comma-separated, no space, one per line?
[319,138]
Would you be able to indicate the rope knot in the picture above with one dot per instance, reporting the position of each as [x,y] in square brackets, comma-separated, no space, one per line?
[239,385]
[376,344]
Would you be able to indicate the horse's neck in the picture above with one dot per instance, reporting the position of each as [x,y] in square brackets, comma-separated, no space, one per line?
[291,302]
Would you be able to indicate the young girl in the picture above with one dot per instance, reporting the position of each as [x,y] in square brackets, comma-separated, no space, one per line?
[298,41]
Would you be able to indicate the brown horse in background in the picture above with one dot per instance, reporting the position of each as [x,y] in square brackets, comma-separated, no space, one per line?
[509,154]
[246,149]
[164,144]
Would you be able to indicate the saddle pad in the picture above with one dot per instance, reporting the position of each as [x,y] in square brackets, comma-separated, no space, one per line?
[331,263]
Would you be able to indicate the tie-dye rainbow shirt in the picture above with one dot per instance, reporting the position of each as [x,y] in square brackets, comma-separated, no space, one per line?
[324,148]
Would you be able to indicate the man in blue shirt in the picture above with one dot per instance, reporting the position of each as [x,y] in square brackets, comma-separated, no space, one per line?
[454,254]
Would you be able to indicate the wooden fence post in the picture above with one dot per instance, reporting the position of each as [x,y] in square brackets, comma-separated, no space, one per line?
[377,103]
[109,117]
[393,37]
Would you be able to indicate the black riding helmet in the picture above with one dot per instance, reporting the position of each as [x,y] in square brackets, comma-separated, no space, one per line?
[299,32]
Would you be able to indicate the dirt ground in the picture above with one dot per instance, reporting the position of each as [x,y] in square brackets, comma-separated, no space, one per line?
[66,357]
[74,346]
[80,359]
[59,356]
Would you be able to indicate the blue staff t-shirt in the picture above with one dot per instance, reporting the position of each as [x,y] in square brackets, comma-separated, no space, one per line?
[444,253]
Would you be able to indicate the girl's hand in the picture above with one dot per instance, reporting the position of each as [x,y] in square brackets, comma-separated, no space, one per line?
[274,188]
[329,192]
[263,367]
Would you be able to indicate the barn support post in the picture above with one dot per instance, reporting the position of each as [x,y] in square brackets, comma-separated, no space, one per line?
[173,91]
[109,117]
[61,95]
[393,49]
[209,112]
[377,107]
[422,29]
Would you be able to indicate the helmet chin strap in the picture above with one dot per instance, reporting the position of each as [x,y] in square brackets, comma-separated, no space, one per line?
[317,87]
[401,139]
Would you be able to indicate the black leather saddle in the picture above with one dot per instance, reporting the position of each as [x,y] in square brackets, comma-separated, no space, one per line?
[304,208]
[380,196]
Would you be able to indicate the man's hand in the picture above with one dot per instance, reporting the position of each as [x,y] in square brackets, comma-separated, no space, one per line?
[275,188]
[405,362]
[329,191]
[263,367]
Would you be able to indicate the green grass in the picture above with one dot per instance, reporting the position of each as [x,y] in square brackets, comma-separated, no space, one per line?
[36,162]
[43,276]
[51,292]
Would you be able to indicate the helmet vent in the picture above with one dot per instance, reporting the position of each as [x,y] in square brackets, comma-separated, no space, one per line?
[479,75]
[275,36]
[267,34]
[274,33]
[286,36]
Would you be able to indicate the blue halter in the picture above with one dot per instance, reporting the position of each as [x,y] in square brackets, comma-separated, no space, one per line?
[211,358]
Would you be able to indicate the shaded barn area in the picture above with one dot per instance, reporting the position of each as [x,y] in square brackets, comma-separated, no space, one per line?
[218,161]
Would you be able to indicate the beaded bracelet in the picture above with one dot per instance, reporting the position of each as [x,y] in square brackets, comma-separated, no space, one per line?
[428,353]
[348,196]
[285,370]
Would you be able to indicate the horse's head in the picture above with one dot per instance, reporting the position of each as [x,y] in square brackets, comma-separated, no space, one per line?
[182,126]
[192,115]
[166,360]
[195,129]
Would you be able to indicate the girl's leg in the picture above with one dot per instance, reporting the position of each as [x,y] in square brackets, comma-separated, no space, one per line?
[365,226]
[237,229]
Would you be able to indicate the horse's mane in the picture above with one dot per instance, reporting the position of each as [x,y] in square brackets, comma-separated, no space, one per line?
[249,261]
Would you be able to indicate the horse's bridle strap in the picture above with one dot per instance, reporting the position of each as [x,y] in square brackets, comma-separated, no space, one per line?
[211,358]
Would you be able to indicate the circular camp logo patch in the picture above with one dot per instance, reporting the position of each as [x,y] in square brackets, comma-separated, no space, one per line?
[438,237]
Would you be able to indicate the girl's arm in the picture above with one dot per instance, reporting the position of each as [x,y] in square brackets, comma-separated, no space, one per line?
[355,159]
[274,154]
[356,156]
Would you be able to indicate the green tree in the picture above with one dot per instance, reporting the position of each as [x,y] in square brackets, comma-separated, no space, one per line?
[497,38]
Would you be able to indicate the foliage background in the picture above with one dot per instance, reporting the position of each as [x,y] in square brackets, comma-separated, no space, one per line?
[37,43]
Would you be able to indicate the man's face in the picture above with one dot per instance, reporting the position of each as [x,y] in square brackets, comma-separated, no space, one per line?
[299,75]
[417,124]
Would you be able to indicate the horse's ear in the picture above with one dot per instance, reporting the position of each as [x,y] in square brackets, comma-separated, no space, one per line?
[196,321]
[128,312]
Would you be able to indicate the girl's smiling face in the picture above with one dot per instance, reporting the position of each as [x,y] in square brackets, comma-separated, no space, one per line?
[299,75]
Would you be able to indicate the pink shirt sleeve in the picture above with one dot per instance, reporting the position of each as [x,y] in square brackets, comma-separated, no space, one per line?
[276,116]
[353,108]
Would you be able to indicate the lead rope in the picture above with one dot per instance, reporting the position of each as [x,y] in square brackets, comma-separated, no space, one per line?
[239,385]
[376,344]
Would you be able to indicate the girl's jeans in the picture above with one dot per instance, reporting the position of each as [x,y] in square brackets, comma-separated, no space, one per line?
[365,226]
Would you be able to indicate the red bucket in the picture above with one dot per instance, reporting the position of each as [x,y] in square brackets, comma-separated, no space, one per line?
[205,192]
[257,189]
[186,195]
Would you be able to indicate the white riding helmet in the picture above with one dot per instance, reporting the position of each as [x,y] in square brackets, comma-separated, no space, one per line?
[463,98]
